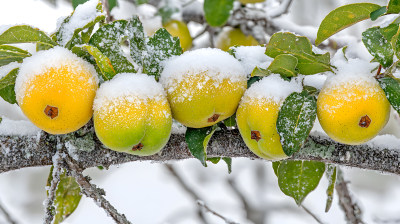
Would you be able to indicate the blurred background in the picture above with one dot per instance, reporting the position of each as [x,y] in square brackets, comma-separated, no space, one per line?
[155,193]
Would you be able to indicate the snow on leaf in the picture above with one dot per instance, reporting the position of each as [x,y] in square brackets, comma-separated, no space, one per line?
[301,48]
[298,178]
[7,84]
[342,18]
[25,34]
[85,16]
[295,121]
[378,46]
[331,175]
[197,140]
[391,87]
[67,196]
[160,47]
[109,39]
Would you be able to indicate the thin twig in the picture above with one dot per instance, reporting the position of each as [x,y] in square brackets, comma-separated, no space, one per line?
[312,214]
[106,8]
[246,205]
[201,33]
[282,9]
[350,208]
[203,205]
[7,215]
[188,189]
[378,73]
[90,190]
[49,203]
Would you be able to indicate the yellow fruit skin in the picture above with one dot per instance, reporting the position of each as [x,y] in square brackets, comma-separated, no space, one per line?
[251,1]
[198,97]
[232,37]
[148,122]
[69,89]
[260,115]
[179,29]
[340,110]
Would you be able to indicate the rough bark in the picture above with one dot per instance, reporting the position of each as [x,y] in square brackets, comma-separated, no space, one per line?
[28,151]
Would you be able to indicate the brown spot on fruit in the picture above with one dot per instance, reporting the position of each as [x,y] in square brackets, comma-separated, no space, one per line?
[213,118]
[137,147]
[365,121]
[51,112]
[255,135]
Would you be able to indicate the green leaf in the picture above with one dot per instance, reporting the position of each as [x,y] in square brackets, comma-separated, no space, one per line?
[284,64]
[67,34]
[10,54]
[214,160]
[275,166]
[252,80]
[230,121]
[344,17]
[301,48]
[217,12]
[160,47]
[393,6]
[1,119]
[197,140]
[75,3]
[378,46]
[295,121]
[228,162]
[298,178]
[377,13]
[260,72]
[68,196]
[102,62]
[331,175]
[112,4]
[7,84]
[139,2]
[25,34]
[109,39]
[391,87]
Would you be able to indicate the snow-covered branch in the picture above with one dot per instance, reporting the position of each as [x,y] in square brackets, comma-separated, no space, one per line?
[28,151]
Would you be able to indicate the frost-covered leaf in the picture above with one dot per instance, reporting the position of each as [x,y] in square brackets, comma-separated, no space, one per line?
[393,6]
[67,198]
[284,64]
[295,121]
[197,140]
[342,18]
[230,121]
[10,54]
[331,175]
[301,48]
[217,12]
[84,17]
[7,84]
[160,47]
[25,34]
[377,13]
[110,37]
[298,178]
[378,46]
[104,64]
[391,87]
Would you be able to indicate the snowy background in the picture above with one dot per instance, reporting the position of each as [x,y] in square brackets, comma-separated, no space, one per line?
[147,193]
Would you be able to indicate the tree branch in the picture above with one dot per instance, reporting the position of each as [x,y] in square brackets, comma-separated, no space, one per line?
[351,210]
[90,190]
[205,207]
[29,151]
[49,203]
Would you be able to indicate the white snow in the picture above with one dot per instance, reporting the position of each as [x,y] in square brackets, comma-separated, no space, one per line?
[218,65]
[83,14]
[385,142]
[4,70]
[128,86]
[272,87]
[316,81]
[251,57]
[20,128]
[43,60]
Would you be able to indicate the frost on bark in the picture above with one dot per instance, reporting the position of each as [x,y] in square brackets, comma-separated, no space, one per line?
[28,151]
